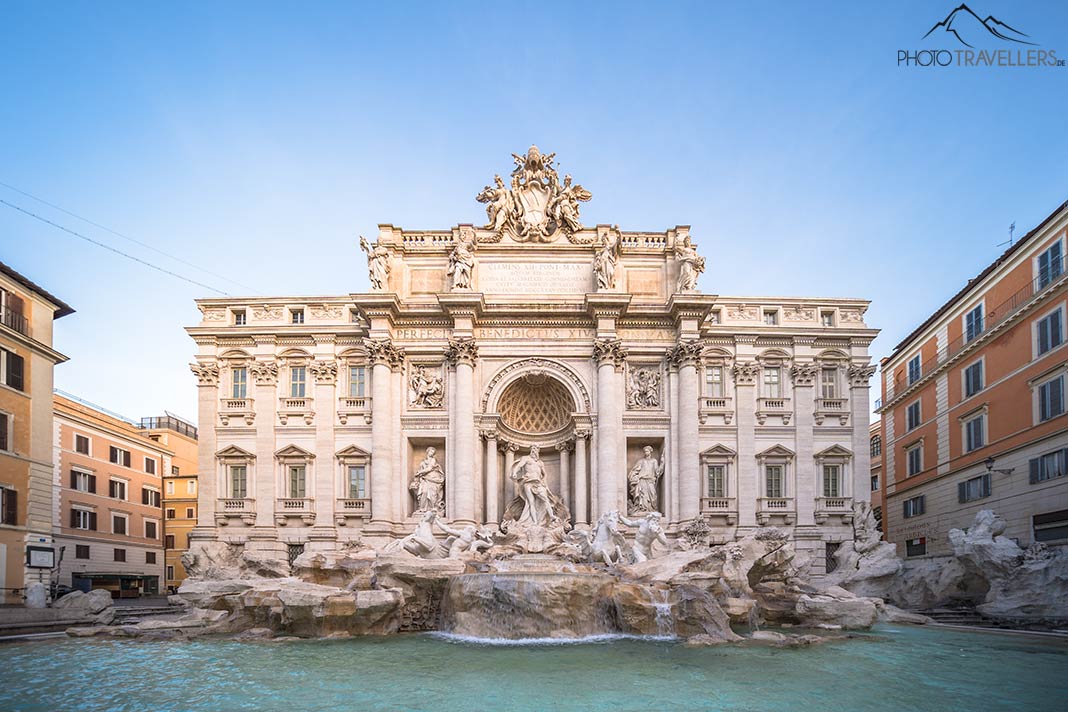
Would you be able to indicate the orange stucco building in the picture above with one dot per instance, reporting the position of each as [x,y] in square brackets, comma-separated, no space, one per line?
[180,484]
[27,360]
[973,412]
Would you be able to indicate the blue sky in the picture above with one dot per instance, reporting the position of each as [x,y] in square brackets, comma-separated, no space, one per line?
[259,139]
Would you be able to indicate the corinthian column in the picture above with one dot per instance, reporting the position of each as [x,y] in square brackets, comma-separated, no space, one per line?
[463,352]
[686,355]
[493,479]
[582,482]
[385,358]
[610,357]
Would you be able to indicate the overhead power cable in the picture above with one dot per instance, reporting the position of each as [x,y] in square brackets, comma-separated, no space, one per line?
[111,249]
[127,237]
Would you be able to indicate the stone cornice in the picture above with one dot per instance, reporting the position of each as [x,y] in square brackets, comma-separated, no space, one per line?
[462,304]
[607,305]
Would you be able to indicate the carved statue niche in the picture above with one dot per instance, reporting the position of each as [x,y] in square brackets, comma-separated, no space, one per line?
[642,482]
[428,484]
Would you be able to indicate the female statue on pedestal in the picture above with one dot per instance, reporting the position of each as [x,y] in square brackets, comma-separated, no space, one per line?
[428,484]
[642,479]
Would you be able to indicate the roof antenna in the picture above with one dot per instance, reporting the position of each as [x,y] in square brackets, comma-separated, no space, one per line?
[1012,229]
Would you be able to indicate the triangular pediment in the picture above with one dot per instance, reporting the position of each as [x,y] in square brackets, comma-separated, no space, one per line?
[351,451]
[294,452]
[776,451]
[834,451]
[235,452]
[718,451]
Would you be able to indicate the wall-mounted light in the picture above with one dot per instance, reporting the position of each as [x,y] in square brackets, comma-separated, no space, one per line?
[989,462]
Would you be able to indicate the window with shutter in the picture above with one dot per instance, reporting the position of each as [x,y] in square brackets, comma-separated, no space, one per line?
[92,521]
[5,425]
[11,506]
[14,371]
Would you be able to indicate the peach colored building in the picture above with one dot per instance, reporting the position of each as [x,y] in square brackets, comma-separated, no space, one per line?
[27,360]
[974,404]
[179,490]
[109,503]
[878,492]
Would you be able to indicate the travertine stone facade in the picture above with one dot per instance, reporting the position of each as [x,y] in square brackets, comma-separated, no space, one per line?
[589,342]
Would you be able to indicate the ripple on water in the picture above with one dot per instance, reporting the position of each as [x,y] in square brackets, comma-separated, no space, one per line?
[901,669]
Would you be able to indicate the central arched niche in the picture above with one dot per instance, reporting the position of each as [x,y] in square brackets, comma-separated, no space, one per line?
[536,404]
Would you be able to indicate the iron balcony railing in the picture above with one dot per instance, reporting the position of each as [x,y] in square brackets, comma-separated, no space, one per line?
[169,422]
[991,319]
[14,320]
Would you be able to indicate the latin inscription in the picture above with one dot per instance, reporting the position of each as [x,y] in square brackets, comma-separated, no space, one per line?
[533,332]
[535,278]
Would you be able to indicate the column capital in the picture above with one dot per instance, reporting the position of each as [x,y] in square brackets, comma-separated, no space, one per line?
[859,376]
[462,350]
[686,352]
[564,446]
[265,372]
[804,374]
[488,433]
[324,371]
[207,373]
[609,350]
[582,433]
[382,351]
[745,373]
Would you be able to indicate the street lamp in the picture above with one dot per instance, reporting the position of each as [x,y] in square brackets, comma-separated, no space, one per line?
[989,462]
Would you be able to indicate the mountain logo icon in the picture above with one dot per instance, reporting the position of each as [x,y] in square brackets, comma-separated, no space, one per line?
[970,29]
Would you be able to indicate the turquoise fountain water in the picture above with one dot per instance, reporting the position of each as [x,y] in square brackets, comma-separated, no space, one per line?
[901,668]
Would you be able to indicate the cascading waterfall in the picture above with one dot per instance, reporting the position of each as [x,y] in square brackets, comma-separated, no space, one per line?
[665,621]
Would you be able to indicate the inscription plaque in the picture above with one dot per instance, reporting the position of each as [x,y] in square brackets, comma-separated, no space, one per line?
[535,278]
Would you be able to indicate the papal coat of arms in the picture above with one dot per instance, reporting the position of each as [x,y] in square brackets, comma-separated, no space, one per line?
[537,207]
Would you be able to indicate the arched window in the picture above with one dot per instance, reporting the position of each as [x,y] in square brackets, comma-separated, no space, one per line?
[876,445]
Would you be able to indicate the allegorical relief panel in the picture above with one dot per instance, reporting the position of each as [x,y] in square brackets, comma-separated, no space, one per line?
[426,387]
[644,387]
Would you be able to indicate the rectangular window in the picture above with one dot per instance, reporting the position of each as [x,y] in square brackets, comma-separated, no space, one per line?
[832,481]
[296,481]
[189,513]
[973,323]
[974,488]
[1051,526]
[1051,399]
[168,541]
[81,444]
[829,382]
[296,316]
[914,369]
[975,433]
[875,483]
[150,466]
[9,506]
[239,383]
[150,557]
[357,482]
[170,488]
[118,456]
[239,317]
[1049,466]
[83,519]
[170,573]
[5,428]
[973,379]
[773,481]
[238,481]
[81,551]
[771,318]
[1050,332]
[117,489]
[297,378]
[82,482]
[171,514]
[191,487]
[912,416]
[1050,264]
[915,460]
[714,382]
[915,506]
[357,381]
[916,547]
[150,530]
[174,469]
[120,554]
[827,318]
[772,384]
[118,523]
[830,562]
[717,480]
[13,369]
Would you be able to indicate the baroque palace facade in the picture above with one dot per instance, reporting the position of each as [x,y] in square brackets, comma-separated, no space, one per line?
[330,419]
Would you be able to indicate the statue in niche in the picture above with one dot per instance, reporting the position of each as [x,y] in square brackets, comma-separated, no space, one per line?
[428,484]
[642,480]
[604,263]
[690,265]
[427,389]
[649,532]
[420,542]
[643,390]
[529,475]
[466,540]
[377,263]
[500,204]
[462,262]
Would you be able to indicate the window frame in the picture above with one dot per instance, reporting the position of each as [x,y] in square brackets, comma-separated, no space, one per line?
[909,449]
[302,382]
[965,384]
[126,523]
[781,466]
[239,387]
[88,444]
[125,488]
[1044,280]
[968,431]
[1038,387]
[973,322]
[914,377]
[909,506]
[909,425]
[982,484]
[1036,336]
[361,382]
